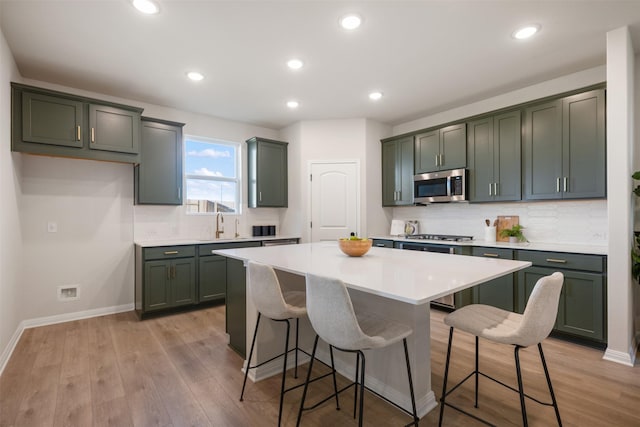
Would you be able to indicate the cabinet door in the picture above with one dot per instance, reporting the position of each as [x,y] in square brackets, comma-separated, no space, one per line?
[404,168]
[159,175]
[183,284]
[507,156]
[480,148]
[581,310]
[236,305]
[51,120]
[272,174]
[583,137]
[157,285]
[427,152]
[212,278]
[542,155]
[453,147]
[498,292]
[114,129]
[389,173]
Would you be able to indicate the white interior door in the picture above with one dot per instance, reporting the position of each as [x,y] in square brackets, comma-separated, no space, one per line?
[334,199]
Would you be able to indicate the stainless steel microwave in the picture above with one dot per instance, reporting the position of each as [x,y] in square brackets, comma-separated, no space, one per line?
[442,186]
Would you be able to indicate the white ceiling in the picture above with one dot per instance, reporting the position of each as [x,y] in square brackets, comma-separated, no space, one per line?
[426,56]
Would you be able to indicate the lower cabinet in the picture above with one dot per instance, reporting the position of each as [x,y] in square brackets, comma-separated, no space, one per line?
[169,278]
[498,292]
[582,306]
[212,277]
[236,312]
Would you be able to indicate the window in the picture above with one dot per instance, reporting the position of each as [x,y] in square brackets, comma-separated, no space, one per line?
[212,174]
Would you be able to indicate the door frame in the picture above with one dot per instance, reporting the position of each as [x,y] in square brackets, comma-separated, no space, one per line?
[310,164]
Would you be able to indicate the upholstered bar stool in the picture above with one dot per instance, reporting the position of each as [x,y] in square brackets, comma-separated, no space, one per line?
[519,330]
[332,316]
[264,290]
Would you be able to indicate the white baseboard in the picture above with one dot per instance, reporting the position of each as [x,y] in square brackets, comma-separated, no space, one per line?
[628,358]
[58,318]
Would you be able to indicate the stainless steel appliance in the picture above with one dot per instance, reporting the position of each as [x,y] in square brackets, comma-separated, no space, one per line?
[448,301]
[442,186]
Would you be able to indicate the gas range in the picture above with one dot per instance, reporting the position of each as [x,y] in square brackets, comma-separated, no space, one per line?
[443,237]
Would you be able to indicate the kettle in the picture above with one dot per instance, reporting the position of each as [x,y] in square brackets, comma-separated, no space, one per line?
[411,227]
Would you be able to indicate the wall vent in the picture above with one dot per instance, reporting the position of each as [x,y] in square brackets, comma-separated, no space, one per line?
[68,293]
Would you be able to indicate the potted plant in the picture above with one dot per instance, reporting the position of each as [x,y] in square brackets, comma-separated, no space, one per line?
[514,234]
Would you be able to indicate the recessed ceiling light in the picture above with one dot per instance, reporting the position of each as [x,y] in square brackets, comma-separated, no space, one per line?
[146,6]
[526,32]
[374,96]
[293,104]
[350,21]
[295,64]
[195,76]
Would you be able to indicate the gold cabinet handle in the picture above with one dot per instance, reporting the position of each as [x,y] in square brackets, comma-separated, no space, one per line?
[557,261]
[171,252]
[491,255]
[78,132]
[93,135]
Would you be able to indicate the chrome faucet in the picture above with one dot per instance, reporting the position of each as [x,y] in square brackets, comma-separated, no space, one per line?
[219,221]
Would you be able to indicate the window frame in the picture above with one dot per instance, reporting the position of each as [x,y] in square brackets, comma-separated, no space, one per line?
[237,180]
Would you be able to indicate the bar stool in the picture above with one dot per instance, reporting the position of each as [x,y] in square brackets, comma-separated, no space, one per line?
[519,330]
[267,296]
[333,318]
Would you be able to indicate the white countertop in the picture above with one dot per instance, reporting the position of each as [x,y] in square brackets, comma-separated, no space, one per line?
[181,242]
[408,276]
[537,246]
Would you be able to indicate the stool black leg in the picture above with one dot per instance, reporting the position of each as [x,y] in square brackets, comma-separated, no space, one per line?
[446,375]
[477,369]
[246,370]
[306,383]
[546,374]
[284,371]
[361,389]
[413,397]
[520,387]
[295,370]
[355,386]
[333,372]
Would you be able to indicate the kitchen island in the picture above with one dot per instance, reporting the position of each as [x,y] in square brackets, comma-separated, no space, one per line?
[393,283]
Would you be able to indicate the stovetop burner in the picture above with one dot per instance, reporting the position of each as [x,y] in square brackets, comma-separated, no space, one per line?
[445,237]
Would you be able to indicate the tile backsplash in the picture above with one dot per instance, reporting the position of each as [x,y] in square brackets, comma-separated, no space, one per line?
[571,222]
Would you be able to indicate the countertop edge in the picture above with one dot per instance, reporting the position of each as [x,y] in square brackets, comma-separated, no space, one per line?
[185,242]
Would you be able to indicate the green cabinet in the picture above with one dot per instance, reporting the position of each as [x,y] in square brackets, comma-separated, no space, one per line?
[397,172]
[441,149]
[169,277]
[59,124]
[582,305]
[212,278]
[158,177]
[564,153]
[267,173]
[236,310]
[494,156]
[497,292]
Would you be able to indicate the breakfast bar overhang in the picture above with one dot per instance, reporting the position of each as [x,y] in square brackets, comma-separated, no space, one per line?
[393,283]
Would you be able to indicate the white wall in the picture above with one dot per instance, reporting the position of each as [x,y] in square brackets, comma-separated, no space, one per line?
[377,218]
[11,291]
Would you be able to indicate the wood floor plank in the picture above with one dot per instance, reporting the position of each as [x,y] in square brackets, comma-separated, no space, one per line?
[178,370]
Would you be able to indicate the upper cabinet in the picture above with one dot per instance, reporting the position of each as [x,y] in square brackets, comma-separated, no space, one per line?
[158,177]
[441,149]
[267,173]
[564,148]
[58,124]
[494,157]
[397,172]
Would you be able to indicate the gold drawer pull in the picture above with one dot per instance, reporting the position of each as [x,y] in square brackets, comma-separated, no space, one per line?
[171,252]
[558,261]
[492,255]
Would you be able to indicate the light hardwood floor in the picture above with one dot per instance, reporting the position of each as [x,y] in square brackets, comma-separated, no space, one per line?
[178,371]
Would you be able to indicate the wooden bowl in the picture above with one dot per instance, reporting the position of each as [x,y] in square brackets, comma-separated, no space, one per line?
[355,247]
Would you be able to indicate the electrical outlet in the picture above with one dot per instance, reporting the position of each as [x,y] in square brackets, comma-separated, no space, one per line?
[52,227]
[69,293]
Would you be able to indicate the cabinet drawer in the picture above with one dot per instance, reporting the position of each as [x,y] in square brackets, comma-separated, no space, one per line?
[204,250]
[380,243]
[167,252]
[563,260]
[492,252]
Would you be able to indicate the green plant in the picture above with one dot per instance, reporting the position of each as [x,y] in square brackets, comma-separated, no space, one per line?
[515,231]
[635,252]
